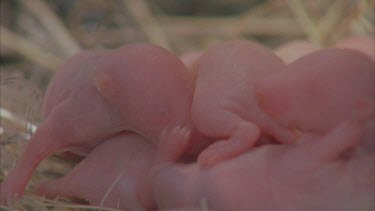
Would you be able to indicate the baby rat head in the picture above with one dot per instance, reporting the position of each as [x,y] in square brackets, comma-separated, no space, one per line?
[319,90]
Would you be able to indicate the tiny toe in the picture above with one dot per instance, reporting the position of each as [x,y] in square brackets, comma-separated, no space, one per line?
[173,143]
[243,138]
[216,153]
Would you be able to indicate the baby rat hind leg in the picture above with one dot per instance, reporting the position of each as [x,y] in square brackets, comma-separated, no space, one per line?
[67,186]
[85,182]
[316,175]
[242,139]
[112,175]
[174,184]
[334,144]
[238,135]
[77,187]
[314,152]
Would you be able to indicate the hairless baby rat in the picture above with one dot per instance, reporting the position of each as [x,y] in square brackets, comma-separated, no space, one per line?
[319,90]
[139,87]
[310,175]
[224,105]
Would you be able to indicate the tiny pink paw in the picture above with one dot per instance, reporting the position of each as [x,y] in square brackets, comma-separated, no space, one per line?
[173,142]
[214,153]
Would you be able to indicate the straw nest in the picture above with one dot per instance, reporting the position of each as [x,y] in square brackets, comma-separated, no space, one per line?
[36,36]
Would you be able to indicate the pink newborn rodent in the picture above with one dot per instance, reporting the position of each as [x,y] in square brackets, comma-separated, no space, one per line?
[224,106]
[311,175]
[139,87]
[316,92]
[114,174]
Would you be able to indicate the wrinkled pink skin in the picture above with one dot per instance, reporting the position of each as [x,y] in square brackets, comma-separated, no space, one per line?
[139,87]
[224,105]
[311,175]
[316,92]
[361,162]
[114,174]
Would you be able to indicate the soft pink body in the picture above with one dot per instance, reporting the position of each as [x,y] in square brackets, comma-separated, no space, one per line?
[114,174]
[224,105]
[311,175]
[316,92]
[139,88]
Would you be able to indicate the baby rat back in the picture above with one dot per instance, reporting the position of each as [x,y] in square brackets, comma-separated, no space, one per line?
[139,88]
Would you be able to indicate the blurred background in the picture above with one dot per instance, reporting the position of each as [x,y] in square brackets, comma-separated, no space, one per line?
[37,35]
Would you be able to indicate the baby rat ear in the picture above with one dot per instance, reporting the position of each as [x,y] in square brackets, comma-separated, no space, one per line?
[104,78]
[104,82]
